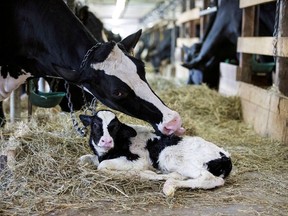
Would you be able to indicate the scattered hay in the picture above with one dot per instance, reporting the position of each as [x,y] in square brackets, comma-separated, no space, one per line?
[47,179]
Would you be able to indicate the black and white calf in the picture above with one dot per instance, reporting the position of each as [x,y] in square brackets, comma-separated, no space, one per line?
[190,162]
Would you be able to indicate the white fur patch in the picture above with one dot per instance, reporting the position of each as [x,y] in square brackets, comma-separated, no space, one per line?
[189,156]
[106,117]
[9,84]
[99,149]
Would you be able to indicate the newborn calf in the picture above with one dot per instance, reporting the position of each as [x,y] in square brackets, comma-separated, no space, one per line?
[188,161]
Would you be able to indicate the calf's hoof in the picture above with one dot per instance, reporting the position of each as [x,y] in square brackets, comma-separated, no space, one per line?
[169,188]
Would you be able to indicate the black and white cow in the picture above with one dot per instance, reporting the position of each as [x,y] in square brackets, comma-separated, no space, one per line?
[220,41]
[44,38]
[184,161]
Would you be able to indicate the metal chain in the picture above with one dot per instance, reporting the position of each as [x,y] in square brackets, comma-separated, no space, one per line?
[89,106]
[80,131]
[86,56]
[92,106]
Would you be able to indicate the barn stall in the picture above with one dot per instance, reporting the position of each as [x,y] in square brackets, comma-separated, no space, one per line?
[40,173]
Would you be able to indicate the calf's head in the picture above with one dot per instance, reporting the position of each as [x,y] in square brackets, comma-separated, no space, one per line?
[118,80]
[105,129]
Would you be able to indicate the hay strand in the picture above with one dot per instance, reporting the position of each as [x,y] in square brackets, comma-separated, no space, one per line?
[46,178]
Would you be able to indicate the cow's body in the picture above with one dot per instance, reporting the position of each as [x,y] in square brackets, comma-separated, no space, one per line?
[220,41]
[44,38]
[118,146]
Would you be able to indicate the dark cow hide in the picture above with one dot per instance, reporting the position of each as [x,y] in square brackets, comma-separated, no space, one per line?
[44,38]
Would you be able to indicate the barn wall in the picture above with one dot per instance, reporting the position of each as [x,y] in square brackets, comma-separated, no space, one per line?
[266,110]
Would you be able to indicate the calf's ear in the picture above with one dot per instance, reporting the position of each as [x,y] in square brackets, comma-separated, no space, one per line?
[85,119]
[127,132]
[130,41]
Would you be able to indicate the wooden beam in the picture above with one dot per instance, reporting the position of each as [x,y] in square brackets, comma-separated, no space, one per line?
[186,41]
[187,16]
[262,45]
[282,63]
[248,26]
[249,3]
[265,110]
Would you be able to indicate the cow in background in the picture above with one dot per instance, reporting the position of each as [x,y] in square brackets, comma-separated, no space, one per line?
[156,46]
[220,41]
[95,25]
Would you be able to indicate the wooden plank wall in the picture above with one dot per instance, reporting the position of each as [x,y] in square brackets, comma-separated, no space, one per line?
[266,110]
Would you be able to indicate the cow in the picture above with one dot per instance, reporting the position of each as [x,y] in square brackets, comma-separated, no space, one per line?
[184,161]
[220,41]
[44,38]
[157,49]
[96,28]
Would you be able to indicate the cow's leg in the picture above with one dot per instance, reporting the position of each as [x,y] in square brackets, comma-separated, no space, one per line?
[205,181]
[149,174]
[89,159]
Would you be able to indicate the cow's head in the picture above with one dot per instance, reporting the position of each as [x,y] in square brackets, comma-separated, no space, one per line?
[118,80]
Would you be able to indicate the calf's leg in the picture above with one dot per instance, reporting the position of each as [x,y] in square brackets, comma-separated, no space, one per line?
[89,158]
[151,175]
[205,181]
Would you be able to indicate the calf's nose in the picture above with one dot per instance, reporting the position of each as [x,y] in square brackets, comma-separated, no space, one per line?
[106,142]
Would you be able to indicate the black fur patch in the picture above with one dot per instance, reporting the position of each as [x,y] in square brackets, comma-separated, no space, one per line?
[121,134]
[121,148]
[220,166]
[156,146]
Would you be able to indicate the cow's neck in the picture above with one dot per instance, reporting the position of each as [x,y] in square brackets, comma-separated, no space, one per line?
[59,41]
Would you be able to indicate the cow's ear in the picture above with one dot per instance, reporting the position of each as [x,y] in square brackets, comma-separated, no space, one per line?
[83,14]
[127,132]
[85,119]
[130,41]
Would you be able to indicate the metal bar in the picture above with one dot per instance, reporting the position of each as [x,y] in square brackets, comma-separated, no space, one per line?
[207,11]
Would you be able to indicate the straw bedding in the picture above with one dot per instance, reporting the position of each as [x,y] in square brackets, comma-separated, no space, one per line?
[45,177]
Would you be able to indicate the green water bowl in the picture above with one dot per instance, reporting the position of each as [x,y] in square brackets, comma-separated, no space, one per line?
[265,67]
[44,99]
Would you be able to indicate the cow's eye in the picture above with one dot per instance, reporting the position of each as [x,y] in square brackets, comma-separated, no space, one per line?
[119,94]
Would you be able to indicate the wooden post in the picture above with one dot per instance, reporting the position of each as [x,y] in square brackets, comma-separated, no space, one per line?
[204,20]
[15,105]
[30,106]
[282,62]
[248,22]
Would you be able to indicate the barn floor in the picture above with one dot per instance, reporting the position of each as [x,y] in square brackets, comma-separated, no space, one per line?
[45,178]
